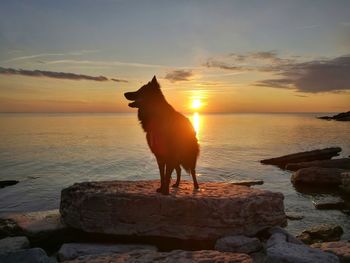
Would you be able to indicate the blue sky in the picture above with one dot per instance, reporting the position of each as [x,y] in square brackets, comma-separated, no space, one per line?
[134,40]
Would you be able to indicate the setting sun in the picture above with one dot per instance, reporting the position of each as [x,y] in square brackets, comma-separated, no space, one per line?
[196,104]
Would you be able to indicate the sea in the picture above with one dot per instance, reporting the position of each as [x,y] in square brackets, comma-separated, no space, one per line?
[48,152]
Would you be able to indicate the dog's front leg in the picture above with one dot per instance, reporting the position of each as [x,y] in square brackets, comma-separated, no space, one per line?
[161,166]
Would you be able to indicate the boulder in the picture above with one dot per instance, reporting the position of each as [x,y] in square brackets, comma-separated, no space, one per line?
[238,244]
[322,154]
[340,248]
[36,224]
[33,255]
[174,256]
[71,251]
[8,244]
[136,209]
[342,163]
[345,182]
[321,233]
[317,176]
[344,116]
[280,250]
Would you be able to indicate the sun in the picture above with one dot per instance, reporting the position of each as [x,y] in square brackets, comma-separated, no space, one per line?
[196,104]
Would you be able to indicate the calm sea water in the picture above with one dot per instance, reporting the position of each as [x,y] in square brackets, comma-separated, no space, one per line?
[47,152]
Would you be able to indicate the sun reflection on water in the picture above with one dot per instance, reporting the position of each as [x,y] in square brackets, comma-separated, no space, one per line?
[196,123]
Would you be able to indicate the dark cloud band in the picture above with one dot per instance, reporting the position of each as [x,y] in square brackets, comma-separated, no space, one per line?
[52,74]
[179,75]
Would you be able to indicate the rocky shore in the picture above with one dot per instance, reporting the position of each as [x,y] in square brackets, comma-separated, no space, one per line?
[344,116]
[129,222]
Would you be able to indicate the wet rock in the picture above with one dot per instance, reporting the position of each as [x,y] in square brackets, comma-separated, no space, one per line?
[174,256]
[345,182]
[322,154]
[8,244]
[238,244]
[284,235]
[344,116]
[321,233]
[71,251]
[135,208]
[342,163]
[280,250]
[247,182]
[340,248]
[317,176]
[36,224]
[293,216]
[33,255]
[9,227]
[329,205]
[8,183]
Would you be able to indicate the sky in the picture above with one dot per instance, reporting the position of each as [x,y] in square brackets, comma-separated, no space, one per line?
[232,56]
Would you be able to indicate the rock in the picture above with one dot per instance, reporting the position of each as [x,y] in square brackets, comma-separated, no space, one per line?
[238,244]
[9,227]
[293,216]
[8,183]
[174,256]
[33,255]
[344,116]
[329,205]
[285,235]
[342,163]
[321,233]
[37,224]
[71,251]
[345,182]
[8,244]
[317,176]
[135,208]
[340,248]
[280,250]
[247,182]
[322,154]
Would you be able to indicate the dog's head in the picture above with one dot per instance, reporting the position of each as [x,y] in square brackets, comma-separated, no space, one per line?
[145,95]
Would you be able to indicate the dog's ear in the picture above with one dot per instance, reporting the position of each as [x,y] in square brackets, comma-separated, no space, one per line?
[154,80]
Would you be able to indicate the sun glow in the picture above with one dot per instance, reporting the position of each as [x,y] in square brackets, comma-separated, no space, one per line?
[196,104]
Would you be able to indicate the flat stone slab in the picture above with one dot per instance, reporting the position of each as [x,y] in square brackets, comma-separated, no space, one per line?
[135,208]
[174,256]
[342,163]
[70,251]
[37,224]
[321,154]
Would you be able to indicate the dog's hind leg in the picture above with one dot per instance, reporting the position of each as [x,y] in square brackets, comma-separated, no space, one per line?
[168,170]
[161,166]
[178,176]
[195,183]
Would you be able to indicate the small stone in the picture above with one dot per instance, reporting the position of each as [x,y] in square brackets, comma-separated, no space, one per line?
[13,243]
[71,251]
[247,182]
[33,255]
[293,216]
[321,233]
[8,227]
[238,244]
[8,183]
[317,176]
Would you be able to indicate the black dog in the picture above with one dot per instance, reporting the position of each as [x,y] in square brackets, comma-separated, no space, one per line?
[170,135]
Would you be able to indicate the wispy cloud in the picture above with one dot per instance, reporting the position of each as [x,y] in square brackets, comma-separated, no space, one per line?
[314,76]
[255,61]
[50,74]
[103,63]
[120,80]
[179,75]
[41,55]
